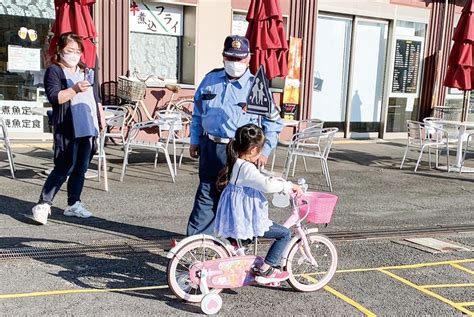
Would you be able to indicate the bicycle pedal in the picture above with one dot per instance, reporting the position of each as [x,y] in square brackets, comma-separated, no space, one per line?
[274,284]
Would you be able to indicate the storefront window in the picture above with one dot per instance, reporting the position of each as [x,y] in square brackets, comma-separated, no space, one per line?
[157,36]
[333,41]
[403,102]
[23,57]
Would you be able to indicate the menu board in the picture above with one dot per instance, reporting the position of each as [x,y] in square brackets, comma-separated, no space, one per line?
[23,59]
[406,66]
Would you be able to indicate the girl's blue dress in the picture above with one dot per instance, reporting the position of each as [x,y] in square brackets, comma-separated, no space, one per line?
[242,213]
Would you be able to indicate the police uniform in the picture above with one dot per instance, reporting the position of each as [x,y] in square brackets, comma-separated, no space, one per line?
[219,109]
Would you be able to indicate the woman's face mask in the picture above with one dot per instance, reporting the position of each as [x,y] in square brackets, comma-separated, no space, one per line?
[235,69]
[72,59]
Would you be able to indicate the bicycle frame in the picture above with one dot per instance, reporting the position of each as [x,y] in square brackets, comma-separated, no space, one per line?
[228,267]
[293,220]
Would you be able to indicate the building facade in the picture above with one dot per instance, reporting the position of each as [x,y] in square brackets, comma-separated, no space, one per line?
[362,67]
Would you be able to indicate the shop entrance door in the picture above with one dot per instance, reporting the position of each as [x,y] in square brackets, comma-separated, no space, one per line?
[331,71]
[367,75]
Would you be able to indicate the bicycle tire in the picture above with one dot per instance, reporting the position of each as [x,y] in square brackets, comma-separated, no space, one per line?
[302,272]
[132,118]
[185,105]
[178,267]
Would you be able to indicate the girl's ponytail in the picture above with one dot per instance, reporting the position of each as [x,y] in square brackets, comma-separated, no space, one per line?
[246,137]
[224,174]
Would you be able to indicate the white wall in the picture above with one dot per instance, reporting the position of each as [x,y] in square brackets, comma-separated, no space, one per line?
[214,20]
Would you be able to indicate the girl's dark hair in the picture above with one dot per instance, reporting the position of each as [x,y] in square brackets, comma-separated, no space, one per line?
[62,43]
[246,138]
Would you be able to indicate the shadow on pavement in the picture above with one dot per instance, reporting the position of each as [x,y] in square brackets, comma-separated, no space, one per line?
[109,271]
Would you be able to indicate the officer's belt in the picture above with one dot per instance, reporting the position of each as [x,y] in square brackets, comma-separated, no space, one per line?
[217,139]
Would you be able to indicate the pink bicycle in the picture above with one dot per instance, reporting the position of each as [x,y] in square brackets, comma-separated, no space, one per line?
[201,266]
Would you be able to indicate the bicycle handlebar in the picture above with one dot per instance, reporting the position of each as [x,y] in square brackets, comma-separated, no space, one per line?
[144,79]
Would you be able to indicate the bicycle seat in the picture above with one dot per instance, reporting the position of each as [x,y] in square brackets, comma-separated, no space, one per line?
[173,88]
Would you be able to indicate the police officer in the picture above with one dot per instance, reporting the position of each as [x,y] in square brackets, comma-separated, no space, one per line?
[219,109]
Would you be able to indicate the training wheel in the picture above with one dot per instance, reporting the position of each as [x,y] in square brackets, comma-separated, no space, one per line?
[211,303]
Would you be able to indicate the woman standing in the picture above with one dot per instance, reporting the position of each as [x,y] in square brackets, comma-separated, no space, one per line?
[77,119]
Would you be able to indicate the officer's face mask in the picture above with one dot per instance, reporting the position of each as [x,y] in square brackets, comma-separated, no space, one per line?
[235,69]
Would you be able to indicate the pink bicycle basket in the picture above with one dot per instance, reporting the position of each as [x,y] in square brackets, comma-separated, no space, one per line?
[321,206]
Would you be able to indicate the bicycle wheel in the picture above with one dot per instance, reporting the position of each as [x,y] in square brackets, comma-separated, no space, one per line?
[179,266]
[185,105]
[132,117]
[304,276]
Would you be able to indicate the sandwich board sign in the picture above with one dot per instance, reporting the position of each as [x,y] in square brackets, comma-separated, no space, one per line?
[259,99]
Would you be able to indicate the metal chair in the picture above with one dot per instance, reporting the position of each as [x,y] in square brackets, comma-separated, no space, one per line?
[176,127]
[102,161]
[116,124]
[313,143]
[6,144]
[108,92]
[133,143]
[302,125]
[468,148]
[452,134]
[421,136]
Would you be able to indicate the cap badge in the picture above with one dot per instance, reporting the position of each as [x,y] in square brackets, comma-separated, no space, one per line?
[236,44]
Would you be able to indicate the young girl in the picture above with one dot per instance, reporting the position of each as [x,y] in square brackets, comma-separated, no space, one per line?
[242,212]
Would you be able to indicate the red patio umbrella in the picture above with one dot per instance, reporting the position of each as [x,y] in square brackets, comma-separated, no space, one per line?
[460,72]
[74,16]
[266,35]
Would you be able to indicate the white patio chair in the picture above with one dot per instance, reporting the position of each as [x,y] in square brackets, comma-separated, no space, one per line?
[176,123]
[421,136]
[6,144]
[469,148]
[311,143]
[302,125]
[116,124]
[452,132]
[133,143]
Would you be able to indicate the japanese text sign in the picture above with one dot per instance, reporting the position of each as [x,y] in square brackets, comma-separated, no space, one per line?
[18,116]
[156,18]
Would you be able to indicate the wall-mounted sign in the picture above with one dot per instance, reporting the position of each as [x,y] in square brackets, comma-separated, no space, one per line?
[406,66]
[239,24]
[22,59]
[18,116]
[156,18]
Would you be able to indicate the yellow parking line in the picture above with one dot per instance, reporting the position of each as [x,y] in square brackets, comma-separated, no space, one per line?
[78,291]
[428,292]
[466,304]
[343,297]
[462,268]
[447,285]
[409,266]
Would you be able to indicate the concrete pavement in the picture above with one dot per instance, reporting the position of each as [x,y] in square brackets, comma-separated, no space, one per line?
[374,194]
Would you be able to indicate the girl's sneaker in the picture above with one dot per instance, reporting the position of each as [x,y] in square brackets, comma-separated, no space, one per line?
[271,275]
[77,210]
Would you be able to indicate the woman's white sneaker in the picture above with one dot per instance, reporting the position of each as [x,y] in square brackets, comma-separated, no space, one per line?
[41,213]
[77,210]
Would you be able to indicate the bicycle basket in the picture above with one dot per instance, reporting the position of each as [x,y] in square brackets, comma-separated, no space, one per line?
[321,206]
[130,89]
